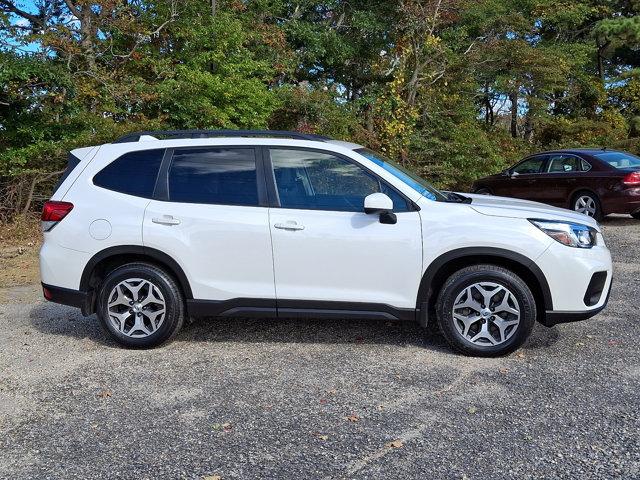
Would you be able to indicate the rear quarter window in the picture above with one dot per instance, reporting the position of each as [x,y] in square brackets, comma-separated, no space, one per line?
[133,173]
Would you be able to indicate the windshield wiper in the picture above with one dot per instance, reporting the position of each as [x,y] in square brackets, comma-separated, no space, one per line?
[457,198]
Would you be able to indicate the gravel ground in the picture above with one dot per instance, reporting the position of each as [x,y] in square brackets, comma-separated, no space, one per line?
[321,399]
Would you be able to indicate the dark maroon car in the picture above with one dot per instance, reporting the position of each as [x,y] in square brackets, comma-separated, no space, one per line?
[590,181]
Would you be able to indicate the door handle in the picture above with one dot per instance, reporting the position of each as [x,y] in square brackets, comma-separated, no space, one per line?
[290,225]
[166,220]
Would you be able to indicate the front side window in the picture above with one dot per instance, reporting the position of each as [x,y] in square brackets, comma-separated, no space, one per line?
[619,159]
[220,176]
[563,164]
[313,180]
[134,173]
[530,165]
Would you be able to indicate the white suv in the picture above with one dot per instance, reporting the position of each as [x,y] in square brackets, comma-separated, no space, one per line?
[158,226]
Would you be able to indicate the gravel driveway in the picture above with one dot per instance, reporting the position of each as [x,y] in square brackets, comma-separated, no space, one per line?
[321,399]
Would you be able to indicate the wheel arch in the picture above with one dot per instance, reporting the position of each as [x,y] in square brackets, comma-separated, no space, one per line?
[113,257]
[446,264]
[577,190]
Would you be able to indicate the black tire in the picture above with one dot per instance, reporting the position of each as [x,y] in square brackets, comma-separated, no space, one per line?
[483,191]
[458,282]
[586,194]
[175,310]
[636,215]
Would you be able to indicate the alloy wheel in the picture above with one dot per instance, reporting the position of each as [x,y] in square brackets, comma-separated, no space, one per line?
[486,314]
[585,204]
[136,307]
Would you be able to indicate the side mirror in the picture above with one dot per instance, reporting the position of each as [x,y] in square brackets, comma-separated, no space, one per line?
[382,205]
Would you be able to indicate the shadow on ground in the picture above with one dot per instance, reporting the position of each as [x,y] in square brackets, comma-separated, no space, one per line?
[65,321]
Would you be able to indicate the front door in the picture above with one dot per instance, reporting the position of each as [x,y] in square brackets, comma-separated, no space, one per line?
[326,249]
[212,221]
[524,179]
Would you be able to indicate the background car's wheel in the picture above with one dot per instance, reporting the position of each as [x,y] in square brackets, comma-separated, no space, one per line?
[483,191]
[140,305]
[485,310]
[587,203]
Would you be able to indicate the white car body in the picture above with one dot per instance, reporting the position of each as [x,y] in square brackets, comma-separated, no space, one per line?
[262,260]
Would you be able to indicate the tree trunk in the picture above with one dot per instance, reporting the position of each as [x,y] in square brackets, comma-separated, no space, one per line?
[513,98]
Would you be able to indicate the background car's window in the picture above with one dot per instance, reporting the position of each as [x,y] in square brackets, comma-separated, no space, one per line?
[586,166]
[221,176]
[563,164]
[619,159]
[134,173]
[319,181]
[530,165]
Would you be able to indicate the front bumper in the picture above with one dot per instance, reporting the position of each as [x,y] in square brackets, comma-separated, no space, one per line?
[554,317]
[571,274]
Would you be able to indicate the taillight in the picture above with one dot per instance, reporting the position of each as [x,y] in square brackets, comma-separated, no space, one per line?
[631,179]
[53,212]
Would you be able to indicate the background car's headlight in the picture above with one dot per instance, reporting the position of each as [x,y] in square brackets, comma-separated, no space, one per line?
[567,233]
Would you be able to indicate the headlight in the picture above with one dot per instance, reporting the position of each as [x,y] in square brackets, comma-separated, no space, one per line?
[567,233]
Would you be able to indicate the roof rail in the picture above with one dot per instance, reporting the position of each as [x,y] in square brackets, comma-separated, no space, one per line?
[177,134]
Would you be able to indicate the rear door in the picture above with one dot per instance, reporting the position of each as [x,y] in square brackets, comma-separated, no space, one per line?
[326,249]
[559,179]
[210,216]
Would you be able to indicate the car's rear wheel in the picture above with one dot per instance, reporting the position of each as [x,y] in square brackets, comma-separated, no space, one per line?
[588,204]
[485,310]
[140,305]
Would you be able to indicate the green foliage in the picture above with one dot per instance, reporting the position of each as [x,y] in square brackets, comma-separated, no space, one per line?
[454,89]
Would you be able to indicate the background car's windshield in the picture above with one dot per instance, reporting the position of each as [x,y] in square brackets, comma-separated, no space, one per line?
[619,159]
[414,181]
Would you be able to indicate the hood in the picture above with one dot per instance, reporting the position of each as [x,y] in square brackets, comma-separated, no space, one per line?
[516,208]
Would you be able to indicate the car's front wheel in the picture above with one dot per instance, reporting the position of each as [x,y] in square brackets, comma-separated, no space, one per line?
[485,310]
[140,305]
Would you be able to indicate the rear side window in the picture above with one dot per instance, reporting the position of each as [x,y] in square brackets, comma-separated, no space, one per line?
[134,173]
[72,162]
[219,176]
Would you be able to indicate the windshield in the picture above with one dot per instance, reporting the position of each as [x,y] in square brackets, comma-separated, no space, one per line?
[619,159]
[419,184]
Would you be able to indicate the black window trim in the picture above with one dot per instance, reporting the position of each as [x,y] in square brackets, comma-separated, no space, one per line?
[153,193]
[161,192]
[274,201]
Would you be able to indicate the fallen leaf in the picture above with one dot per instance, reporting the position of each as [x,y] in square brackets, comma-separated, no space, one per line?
[472,410]
[323,437]
[395,444]
[579,344]
[504,370]
[212,477]
[380,408]
[353,418]
[332,391]
[104,394]
[520,355]
[222,426]
[323,401]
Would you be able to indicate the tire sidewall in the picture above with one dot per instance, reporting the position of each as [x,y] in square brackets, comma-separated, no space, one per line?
[172,298]
[463,279]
